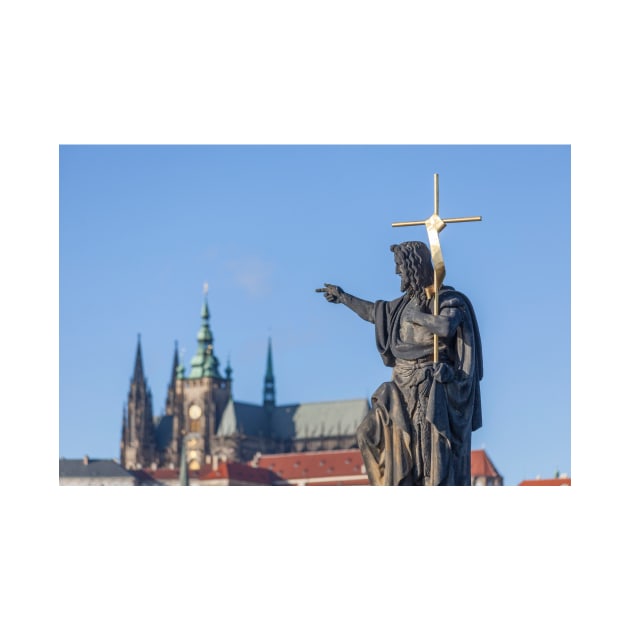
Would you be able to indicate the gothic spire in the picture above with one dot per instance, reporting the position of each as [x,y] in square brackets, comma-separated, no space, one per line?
[269,394]
[138,445]
[175,365]
[138,371]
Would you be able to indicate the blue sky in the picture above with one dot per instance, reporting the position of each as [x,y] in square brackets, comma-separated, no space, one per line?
[142,228]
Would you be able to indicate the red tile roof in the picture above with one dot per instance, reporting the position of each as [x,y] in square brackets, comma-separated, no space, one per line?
[237,472]
[233,471]
[321,468]
[315,466]
[481,465]
[345,464]
[556,481]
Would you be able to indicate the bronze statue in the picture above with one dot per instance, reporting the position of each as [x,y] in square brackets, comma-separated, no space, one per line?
[418,430]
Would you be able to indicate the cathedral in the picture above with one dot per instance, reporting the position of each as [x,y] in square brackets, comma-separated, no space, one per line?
[202,422]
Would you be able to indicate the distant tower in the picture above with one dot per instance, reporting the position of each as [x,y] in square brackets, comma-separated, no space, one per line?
[269,392]
[196,402]
[228,371]
[137,449]
[170,395]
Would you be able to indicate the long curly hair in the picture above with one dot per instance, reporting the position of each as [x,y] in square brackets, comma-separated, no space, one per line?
[414,257]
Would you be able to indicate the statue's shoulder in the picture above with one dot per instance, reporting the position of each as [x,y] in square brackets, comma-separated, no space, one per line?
[391,305]
[449,294]
[451,298]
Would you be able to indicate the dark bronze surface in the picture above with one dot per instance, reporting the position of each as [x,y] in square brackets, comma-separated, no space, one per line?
[418,430]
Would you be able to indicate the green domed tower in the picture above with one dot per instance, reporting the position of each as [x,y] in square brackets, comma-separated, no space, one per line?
[198,399]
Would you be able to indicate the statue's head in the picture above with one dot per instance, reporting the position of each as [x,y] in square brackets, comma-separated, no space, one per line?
[413,264]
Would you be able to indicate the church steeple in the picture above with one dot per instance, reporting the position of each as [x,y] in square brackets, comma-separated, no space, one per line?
[176,373]
[204,363]
[269,393]
[138,443]
[175,366]
[138,370]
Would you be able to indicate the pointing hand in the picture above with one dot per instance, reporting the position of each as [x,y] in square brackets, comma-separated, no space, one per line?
[331,292]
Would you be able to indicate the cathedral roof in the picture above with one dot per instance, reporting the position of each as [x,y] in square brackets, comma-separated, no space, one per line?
[240,417]
[340,417]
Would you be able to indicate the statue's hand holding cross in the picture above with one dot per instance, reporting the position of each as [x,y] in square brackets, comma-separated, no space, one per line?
[435,224]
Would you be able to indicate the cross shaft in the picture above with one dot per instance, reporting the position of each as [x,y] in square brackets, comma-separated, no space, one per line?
[435,224]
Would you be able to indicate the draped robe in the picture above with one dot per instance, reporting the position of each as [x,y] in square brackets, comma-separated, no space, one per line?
[418,429]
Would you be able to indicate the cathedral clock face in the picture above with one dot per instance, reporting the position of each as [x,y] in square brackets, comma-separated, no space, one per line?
[194,412]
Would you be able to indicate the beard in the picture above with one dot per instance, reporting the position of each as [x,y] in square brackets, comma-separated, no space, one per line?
[418,295]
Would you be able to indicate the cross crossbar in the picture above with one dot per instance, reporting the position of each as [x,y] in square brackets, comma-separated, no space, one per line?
[435,224]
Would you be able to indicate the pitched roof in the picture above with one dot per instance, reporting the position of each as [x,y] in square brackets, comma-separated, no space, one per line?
[340,417]
[91,468]
[233,471]
[321,468]
[238,472]
[481,465]
[557,481]
[241,417]
[316,466]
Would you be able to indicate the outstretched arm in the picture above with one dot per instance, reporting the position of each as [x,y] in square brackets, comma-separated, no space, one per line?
[337,295]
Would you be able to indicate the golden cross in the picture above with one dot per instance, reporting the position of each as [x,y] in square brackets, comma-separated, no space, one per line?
[435,224]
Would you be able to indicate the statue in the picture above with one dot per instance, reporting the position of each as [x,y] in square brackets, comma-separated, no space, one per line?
[418,430]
